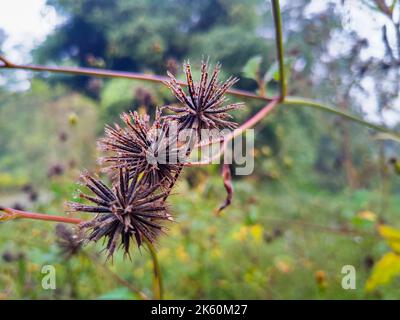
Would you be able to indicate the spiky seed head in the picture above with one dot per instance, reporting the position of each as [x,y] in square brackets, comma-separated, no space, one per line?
[130,211]
[143,148]
[202,107]
[69,241]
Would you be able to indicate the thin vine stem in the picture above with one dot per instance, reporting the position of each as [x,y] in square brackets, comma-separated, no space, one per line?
[158,288]
[160,79]
[141,295]
[295,101]
[95,72]
[276,12]
[289,101]
[225,139]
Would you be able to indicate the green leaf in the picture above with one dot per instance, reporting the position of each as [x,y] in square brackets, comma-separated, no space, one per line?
[362,223]
[252,67]
[118,294]
[116,91]
[384,271]
[272,73]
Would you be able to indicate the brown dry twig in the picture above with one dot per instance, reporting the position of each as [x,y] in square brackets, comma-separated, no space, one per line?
[250,123]
[5,63]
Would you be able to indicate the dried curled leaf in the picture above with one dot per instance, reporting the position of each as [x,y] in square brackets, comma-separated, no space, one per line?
[227,176]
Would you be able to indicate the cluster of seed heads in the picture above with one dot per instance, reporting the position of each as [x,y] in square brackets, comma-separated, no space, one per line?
[134,208]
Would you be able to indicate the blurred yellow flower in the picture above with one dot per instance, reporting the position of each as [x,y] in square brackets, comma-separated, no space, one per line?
[216,253]
[35,232]
[249,277]
[241,234]
[213,230]
[284,264]
[367,215]
[320,278]
[163,253]
[175,230]
[73,118]
[182,254]
[266,150]
[385,270]
[33,267]
[391,235]
[288,161]
[257,232]
[138,272]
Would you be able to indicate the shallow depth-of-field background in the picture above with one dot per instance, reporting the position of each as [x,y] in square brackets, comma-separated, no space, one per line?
[320,188]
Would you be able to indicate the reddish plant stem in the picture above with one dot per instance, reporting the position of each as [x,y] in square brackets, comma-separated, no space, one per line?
[116,74]
[40,216]
[17,214]
[224,140]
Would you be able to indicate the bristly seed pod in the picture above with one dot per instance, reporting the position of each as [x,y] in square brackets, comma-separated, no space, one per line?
[69,242]
[132,210]
[143,149]
[203,106]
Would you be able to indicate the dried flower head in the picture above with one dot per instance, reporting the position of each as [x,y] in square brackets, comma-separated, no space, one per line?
[70,242]
[203,106]
[142,148]
[9,256]
[132,210]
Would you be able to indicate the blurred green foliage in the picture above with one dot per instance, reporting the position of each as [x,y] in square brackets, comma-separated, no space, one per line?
[285,234]
[263,245]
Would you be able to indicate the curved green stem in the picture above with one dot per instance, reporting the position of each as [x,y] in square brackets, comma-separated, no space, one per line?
[294,101]
[157,276]
[276,11]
